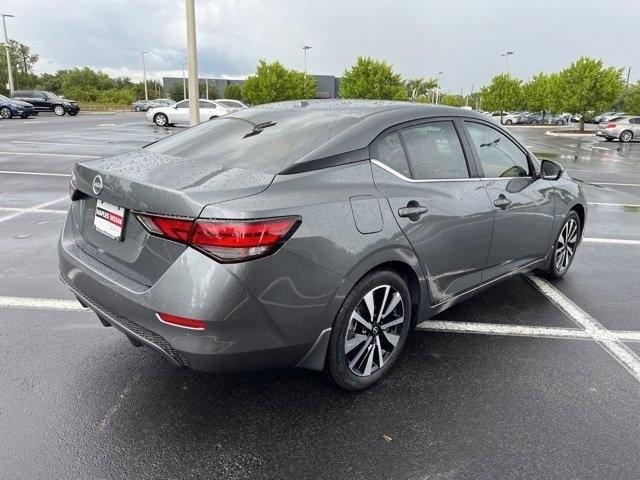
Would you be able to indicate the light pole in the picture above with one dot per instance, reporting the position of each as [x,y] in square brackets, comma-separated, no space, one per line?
[184,83]
[506,56]
[206,86]
[438,86]
[6,49]
[144,76]
[305,48]
[192,64]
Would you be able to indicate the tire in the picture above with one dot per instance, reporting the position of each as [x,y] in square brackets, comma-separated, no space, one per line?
[161,120]
[138,109]
[6,113]
[508,122]
[73,114]
[360,336]
[24,116]
[559,264]
[626,136]
[608,139]
[215,116]
[559,122]
[59,110]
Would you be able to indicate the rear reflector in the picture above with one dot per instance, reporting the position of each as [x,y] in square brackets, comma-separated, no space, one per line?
[176,321]
[225,240]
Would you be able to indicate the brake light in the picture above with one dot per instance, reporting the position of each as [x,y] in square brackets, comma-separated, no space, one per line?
[226,241]
[176,321]
[611,125]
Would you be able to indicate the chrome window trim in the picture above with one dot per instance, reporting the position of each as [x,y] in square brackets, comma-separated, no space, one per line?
[433,180]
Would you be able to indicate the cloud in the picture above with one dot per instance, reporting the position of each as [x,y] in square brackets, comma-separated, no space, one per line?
[420,37]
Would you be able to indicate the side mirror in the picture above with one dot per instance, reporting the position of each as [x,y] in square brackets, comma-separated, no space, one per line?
[550,170]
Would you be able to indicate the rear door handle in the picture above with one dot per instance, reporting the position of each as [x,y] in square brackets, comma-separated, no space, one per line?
[502,202]
[413,211]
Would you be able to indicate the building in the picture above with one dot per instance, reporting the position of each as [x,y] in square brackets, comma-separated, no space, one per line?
[328,85]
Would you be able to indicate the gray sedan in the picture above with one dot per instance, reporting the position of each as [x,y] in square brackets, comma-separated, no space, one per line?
[624,129]
[314,234]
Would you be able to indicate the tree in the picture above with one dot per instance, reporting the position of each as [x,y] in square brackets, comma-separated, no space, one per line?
[22,62]
[632,100]
[273,82]
[418,88]
[176,91]
[502,94]
[586,85]
[452,100]
[233,91]
[536,94]
[370,78]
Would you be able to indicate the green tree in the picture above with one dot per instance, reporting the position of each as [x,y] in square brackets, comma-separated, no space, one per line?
[452,100]
[502,94]
[176,91]
[418,88]
[632,100]
[586,85]
[233,91]
[536,95]
[370,78]
[272,82]
[22,62]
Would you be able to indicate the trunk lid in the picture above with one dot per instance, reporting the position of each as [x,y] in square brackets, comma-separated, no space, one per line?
[150,182]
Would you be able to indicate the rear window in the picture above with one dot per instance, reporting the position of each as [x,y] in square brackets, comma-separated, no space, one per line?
[261,140]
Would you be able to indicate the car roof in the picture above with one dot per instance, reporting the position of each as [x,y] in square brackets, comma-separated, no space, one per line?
[360,122]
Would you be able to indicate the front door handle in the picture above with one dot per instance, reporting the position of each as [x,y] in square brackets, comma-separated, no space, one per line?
[413,211]
[502,202]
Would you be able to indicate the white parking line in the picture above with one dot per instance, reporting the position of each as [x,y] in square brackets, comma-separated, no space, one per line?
[619,351]
[64,144]
[14,172]
[30,209]
[50,154]
[39,210]
[604,204]
[618,241]
[595,182]
[40,303]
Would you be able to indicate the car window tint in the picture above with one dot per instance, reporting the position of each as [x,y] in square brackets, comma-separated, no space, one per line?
[635,120]
[498,155]
[389,151]
[183,104]
[204,104]
[434,151]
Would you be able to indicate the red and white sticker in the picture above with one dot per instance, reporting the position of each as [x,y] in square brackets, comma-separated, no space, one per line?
[109,219]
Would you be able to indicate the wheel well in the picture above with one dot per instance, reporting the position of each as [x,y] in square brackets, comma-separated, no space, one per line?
[579,209]
[407,273]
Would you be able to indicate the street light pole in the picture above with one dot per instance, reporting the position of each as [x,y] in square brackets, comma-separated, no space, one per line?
[305,48]
[6,49]
[506,56]
[192,64]
[438,87]
[144,76]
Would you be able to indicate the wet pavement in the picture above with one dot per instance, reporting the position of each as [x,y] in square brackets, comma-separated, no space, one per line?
[78,401]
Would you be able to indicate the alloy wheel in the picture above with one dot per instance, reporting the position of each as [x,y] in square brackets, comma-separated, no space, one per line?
[161,119]
[626,136]
[374,329]
[566,245]
[59,110]
[5,112]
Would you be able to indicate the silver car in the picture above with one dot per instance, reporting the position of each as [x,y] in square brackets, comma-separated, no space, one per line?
[624,129]
[313,234]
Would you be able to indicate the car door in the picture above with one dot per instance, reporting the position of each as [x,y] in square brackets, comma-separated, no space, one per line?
[438,201]
[208,110]
[180,113]
[523,204]
[635,127]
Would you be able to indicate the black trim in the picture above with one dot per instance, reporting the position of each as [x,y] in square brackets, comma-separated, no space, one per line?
[346,158]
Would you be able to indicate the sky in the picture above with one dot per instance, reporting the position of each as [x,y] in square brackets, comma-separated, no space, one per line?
[462,38]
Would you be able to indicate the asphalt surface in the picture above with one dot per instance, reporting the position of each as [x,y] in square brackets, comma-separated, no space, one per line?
[78,401]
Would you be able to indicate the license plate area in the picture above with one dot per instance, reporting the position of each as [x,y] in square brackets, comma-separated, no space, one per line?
[109,220]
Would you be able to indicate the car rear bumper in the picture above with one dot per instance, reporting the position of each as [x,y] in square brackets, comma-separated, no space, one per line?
[261,314]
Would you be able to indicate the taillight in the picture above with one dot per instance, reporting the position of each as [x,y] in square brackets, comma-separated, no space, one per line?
[611,125]
[176,321]
[226,241]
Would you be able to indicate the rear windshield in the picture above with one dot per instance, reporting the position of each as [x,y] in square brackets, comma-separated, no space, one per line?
[260,140]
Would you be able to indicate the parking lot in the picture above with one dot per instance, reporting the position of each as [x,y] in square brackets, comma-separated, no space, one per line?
[531,379]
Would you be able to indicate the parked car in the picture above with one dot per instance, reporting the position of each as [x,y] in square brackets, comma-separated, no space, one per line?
[506,118]
[44,101]
[161,102]
[236,104]
[15,108]
[560,119]
[314,234]
[624,129]
[611,116]
[179,113]
[141,105]
[531,118]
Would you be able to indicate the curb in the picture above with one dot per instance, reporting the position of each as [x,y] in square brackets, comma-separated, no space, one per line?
[551,133]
